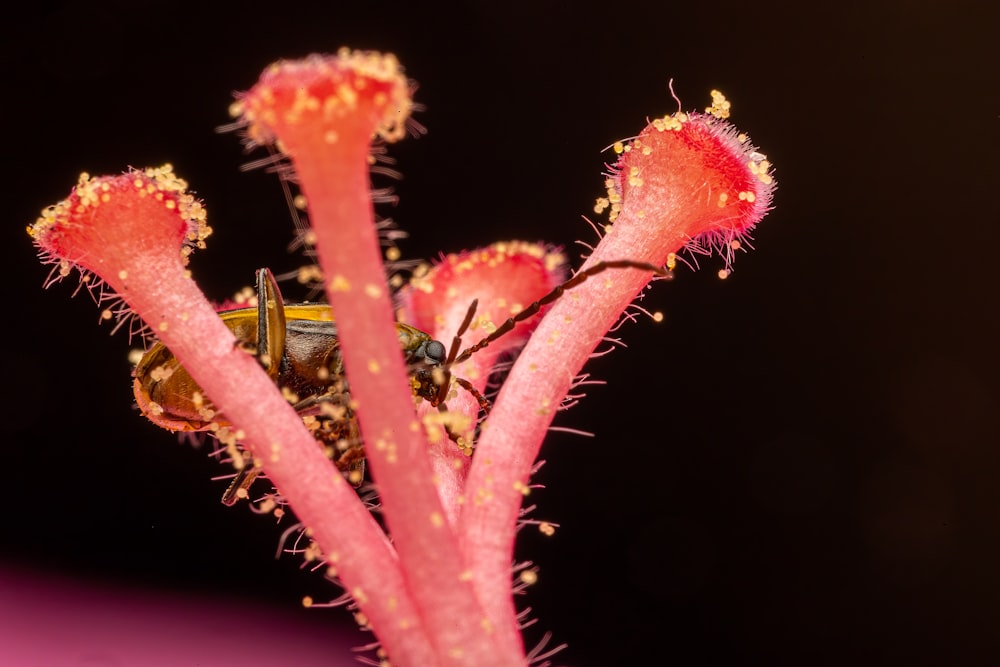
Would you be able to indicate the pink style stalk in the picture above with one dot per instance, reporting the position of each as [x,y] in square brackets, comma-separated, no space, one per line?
[438,592]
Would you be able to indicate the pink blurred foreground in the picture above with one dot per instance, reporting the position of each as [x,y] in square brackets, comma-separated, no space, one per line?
[48,621]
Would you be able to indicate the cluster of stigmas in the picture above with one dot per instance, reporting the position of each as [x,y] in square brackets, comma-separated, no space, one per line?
[452,491]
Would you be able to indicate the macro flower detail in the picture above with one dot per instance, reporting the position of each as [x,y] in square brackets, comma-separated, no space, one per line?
[432,577]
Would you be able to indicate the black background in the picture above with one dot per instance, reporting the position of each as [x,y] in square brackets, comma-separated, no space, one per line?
[799,466]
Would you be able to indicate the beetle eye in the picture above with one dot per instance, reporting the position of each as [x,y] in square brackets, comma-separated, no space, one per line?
[434,352]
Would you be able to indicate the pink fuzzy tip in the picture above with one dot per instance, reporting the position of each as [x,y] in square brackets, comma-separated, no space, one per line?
[359,93]
[109,224]
[504,279]
[696,172]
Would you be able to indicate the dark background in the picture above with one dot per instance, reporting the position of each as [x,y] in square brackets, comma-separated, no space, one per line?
[800,466]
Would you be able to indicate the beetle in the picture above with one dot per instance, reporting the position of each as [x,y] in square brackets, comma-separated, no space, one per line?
[297,345]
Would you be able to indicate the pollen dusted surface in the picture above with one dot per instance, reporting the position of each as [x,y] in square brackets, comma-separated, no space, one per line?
[75,227]
[696,172]
[326,90]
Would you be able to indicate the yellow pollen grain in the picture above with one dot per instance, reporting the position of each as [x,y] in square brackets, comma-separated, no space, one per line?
[289,395]
[373,291]
[436,519]
[123,274]
[359,594]
[482,497]
[522,488]
[619,147]
[720,107]
[528,577]
[487,625]
[657,316]
[546,528]
[723,198]
[339,284]
[723,274]
[307,601]
[392,254]
[669,123]
[760,168]
[331,137]
[162,326]
[544,407]
[465,576]
[300,202]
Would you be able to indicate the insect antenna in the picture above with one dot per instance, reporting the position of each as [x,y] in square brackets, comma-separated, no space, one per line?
[445,377]
[443,374]
[556,292]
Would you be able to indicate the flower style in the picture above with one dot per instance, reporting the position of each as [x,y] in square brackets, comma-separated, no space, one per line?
[435,585]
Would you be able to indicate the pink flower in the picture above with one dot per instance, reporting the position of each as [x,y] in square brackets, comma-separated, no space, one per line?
[437,588]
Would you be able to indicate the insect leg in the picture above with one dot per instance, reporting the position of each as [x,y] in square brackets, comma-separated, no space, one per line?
[242,482]
[456,343]
[270,323]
